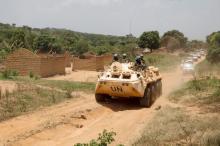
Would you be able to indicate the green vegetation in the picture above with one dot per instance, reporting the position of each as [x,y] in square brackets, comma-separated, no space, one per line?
[163,61]
[175,126]
[60,40]
[150,39]
[8,74]
[104,139]
[214,47]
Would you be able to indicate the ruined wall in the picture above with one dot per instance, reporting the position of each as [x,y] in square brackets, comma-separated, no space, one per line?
[23,61]
[52,65]
[94,63]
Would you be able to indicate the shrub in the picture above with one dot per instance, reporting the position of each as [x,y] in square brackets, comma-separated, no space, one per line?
[104,139]
[31,74]
[6,74]
[214,55]
[15,73]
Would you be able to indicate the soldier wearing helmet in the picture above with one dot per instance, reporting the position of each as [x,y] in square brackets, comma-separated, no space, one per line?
[140,63]
[124,58]
[137,65]
[142,59]
[115,58]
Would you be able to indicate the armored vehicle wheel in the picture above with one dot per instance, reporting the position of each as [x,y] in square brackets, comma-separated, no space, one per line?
[160,87]
[100,97]
[153,92]
[146,100]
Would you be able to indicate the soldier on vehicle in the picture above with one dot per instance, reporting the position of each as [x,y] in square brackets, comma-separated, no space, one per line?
[115,58]
[143,61]
[137,65]
[124,58]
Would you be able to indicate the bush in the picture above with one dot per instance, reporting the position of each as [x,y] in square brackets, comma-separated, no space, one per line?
[214,55]
[31,74]
[104,139]
[15,73]
[9,74]
[6,74]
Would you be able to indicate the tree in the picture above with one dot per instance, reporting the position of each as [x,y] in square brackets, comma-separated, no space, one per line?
[45,43]
[214,47]
[81,47]
[149,40]
[18,39]
[179,36]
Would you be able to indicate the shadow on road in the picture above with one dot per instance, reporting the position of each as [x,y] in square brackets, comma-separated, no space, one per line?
[120,104]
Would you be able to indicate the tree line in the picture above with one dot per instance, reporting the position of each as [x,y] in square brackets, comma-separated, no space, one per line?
[60,40]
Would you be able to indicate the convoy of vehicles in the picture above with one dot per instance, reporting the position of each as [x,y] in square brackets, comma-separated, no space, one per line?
[187,64]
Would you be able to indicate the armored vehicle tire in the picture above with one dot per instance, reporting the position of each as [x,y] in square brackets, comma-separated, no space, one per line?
[153,87]
[100,97]
[147,99]
[160,87]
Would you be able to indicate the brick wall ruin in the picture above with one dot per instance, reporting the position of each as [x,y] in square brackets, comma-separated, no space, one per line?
[25,61]
[94,63]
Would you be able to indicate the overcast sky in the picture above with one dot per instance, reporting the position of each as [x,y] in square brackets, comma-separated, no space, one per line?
[195,18]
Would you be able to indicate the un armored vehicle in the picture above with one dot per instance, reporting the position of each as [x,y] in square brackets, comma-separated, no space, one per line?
[125,81]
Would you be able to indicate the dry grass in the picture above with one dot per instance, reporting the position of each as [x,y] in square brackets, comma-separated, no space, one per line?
[207,69]
[163,61]
[204,93]
[27,98]
[175,126]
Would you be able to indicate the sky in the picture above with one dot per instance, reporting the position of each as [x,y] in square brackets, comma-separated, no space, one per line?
[195,18]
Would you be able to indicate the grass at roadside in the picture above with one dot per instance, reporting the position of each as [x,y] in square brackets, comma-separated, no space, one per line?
[201,93]
[175,126]
[205,68]
[163,61]
[32,94]
[28,97]
[63,85]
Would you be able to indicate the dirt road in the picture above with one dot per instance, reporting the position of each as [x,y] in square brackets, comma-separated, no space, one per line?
[81,119]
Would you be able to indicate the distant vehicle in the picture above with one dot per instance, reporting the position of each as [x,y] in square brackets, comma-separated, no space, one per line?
[195,58]
[188,68]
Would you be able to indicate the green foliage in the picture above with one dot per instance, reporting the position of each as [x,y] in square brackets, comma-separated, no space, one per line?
[104,139]
[214,47]
[214,55]
[31,74]
[150,40]
[176,35]
[59,40]
[9,74]
[46,43]
[81,47]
